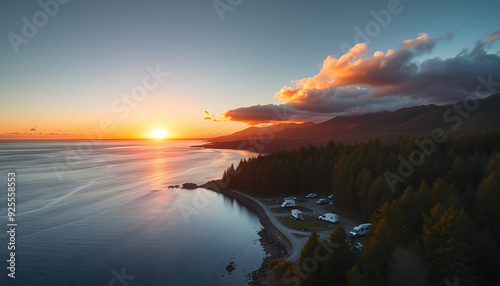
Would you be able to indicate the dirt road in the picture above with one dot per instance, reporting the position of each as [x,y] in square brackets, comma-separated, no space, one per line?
[297,243]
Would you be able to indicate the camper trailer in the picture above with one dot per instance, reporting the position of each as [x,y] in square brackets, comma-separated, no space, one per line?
[288,204]
[296,214]
[329,217]
[361,229]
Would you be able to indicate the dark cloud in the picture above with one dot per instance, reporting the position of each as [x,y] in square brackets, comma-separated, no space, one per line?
[356,84]
[256,114]
[294,112]
[398,73]
[353,106]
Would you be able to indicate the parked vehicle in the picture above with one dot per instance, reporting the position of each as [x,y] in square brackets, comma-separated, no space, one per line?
[329,217]
[288,204]
[311,195]
[296,214]
[361,229]
[330,197]
[291,198]
[357,247]
[322,201]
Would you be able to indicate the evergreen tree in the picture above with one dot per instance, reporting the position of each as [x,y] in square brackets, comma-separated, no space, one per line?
[378,194]
[285,271]
[376,251]
[487,259]
[487,202]
[334,268]
[453,223]
[307,262]
[443,240]
[356,278]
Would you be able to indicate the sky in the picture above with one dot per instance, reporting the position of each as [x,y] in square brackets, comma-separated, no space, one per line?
[195,69]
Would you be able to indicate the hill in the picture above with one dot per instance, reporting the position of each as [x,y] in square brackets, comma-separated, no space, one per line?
[456,119]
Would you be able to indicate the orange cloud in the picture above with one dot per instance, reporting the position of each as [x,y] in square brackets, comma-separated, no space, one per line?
[351,69]
[209,116]
[359,82]
[492,36]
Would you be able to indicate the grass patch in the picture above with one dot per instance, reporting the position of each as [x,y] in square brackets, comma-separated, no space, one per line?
[342,213]
[299,235]
[309,223]
[287,210]
[284,237]
[329,209]
[268,202]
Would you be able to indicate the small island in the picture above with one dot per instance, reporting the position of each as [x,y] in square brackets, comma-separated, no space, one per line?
[189,186]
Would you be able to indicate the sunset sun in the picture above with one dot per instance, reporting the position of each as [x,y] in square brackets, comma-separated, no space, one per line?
[158,134]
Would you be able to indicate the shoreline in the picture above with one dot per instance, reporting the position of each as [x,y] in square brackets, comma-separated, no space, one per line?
[272,240]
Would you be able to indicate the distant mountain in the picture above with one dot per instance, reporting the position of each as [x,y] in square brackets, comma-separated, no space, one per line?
[255,131]
[418,120]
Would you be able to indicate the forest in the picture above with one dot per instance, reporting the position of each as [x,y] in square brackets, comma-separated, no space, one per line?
[434,207]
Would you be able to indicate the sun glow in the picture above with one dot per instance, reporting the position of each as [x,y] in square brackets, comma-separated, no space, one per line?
[158,134]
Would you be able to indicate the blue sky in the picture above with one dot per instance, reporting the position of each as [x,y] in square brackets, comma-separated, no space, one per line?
[64,79]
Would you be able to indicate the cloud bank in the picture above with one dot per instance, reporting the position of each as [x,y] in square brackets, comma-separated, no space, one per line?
[359,82]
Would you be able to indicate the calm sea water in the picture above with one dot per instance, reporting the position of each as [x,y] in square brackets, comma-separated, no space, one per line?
[108,218]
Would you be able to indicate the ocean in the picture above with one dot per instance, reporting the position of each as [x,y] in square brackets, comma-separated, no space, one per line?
[104,215]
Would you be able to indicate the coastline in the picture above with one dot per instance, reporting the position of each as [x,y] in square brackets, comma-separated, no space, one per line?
[272,240]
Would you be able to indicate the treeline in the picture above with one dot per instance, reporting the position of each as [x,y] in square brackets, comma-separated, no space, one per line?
[285,172]
[364,176]
[434,205]
[321,262]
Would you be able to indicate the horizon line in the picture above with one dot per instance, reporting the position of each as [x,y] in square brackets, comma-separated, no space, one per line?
[109,139]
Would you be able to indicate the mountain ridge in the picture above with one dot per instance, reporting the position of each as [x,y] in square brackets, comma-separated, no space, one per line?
[412,121]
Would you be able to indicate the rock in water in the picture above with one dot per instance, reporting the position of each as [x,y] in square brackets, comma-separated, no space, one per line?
[230,267]
[189,186]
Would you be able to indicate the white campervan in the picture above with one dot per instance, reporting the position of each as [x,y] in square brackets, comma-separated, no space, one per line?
[361,229]
[333,218]
[288,204]
[296,214]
